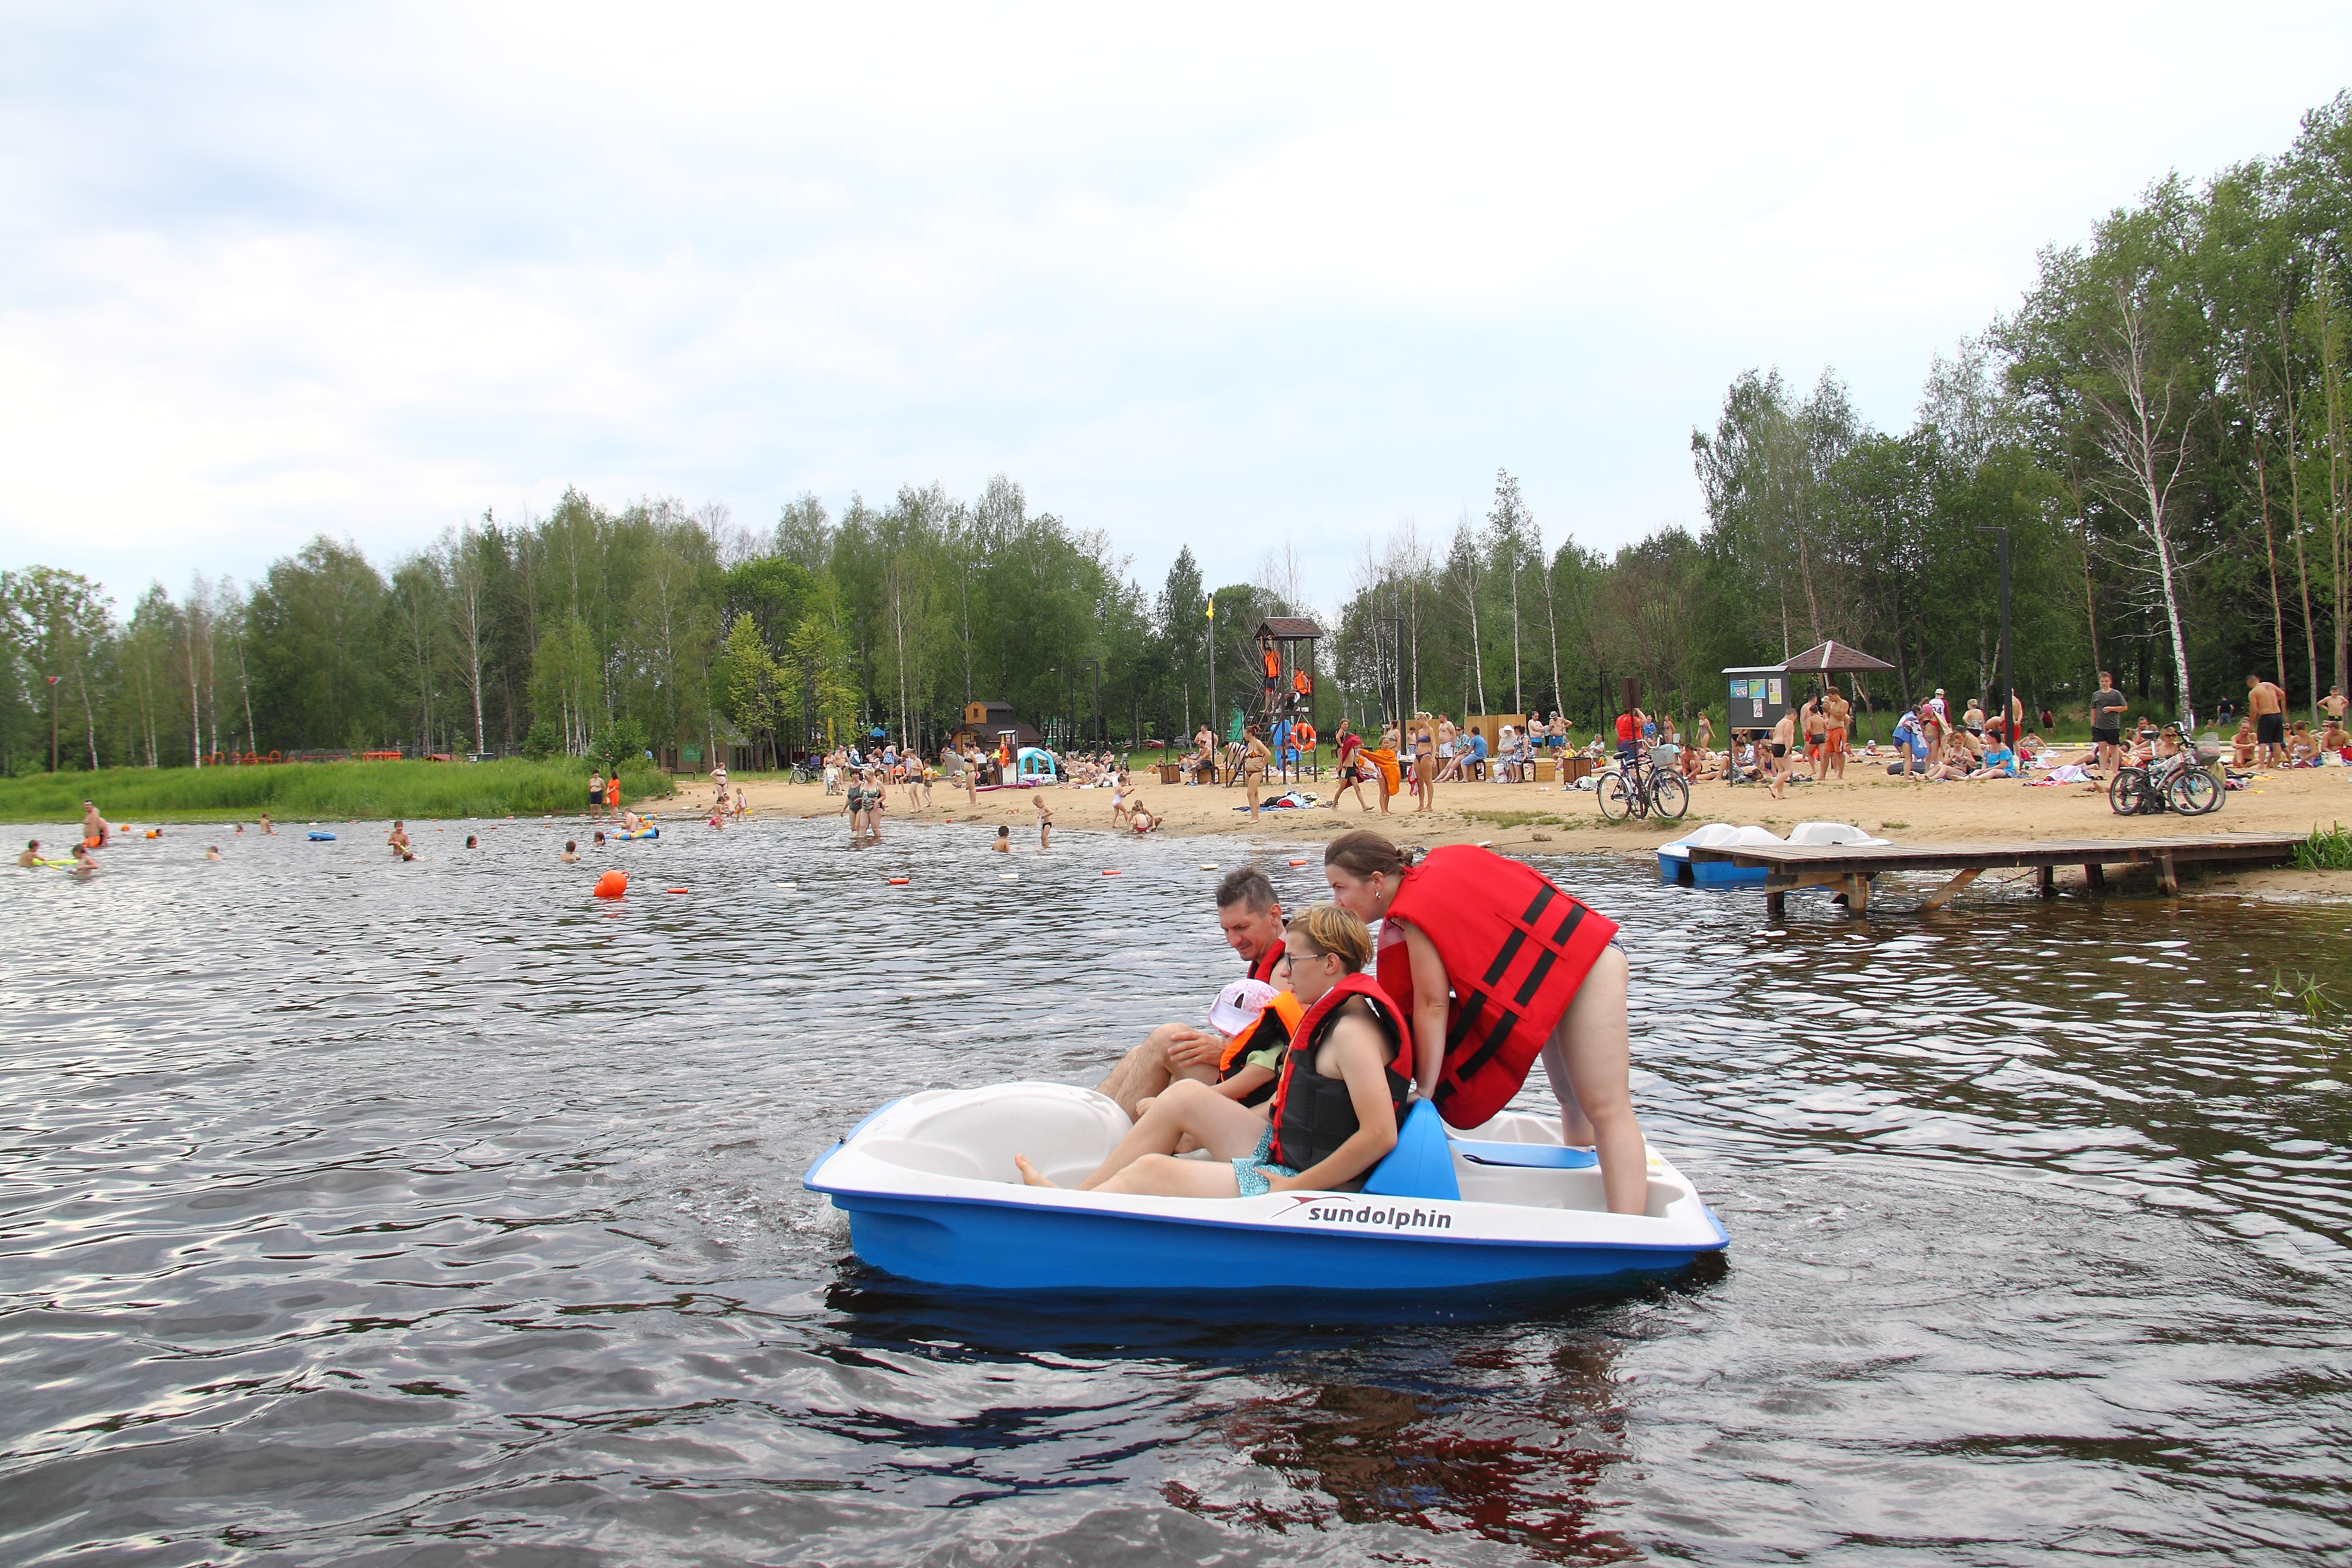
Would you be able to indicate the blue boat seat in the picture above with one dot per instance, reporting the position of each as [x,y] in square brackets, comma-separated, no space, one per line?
[1422,1163]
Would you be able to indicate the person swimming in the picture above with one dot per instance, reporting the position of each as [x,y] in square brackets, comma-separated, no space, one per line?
[398,839]
[1335,1115]
[1003,844]
[32,855]
[268,826]
[85,864]
[472,843]
[212,852]
[600,839]
[571,856]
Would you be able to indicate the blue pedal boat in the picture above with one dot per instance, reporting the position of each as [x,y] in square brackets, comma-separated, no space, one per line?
[930,1188]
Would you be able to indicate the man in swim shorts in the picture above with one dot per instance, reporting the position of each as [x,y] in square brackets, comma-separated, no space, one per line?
[1784,735]
[2267,703]
[596,793]
[93,827]
[1251,917]
[1836,709]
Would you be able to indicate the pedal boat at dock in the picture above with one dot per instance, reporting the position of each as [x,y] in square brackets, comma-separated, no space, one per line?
[1676,868]
[930,1192]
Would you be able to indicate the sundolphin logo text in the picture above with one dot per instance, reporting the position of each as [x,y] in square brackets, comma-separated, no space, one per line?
[1389,1219]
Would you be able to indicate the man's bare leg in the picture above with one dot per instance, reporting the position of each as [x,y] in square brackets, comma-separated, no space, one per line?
[1145,1071]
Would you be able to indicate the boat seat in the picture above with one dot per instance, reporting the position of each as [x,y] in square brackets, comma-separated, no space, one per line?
[1422,1163]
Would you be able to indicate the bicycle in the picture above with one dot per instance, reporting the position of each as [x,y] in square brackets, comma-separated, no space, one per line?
[2183,782]
[1639,787]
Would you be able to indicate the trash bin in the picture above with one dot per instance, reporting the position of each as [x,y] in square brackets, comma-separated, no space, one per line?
[1170,772]
[1546,770]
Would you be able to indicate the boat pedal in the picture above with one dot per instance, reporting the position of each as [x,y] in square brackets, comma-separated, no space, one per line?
[1526,1156]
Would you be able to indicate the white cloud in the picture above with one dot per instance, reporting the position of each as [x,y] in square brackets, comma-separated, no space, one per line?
[1216,276]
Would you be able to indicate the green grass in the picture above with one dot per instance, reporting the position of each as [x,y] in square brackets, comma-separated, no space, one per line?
[2327,849]
[295,792]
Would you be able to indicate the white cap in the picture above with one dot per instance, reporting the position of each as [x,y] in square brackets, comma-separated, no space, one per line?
[1238,1005]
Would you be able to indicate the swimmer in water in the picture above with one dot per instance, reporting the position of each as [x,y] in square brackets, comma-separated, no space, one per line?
[93,827]
[240,830]
[212,852]
[85,864]
[471,843]
[398,839]
[600,839]
[571,856]
[32,855]
[268,826]
[1045,821]
[1003,845]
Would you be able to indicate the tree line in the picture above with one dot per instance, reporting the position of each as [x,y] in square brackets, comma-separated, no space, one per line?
[2160,429]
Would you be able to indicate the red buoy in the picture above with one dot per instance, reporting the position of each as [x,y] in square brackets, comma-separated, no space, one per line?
[612,884]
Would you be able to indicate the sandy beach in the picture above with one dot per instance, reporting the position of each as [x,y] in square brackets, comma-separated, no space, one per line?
[1522,818]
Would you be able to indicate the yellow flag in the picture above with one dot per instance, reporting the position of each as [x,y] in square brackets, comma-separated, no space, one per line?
[1213,607]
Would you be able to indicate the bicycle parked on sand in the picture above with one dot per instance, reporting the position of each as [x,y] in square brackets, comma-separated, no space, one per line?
[2184,782]
[1640,787]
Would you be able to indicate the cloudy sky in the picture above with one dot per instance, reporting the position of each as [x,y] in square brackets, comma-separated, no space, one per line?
[1229,277]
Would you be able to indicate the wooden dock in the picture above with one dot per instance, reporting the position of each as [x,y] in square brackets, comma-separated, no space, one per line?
[1848,867]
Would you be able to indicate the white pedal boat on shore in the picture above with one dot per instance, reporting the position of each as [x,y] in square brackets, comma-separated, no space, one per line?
[930,1187]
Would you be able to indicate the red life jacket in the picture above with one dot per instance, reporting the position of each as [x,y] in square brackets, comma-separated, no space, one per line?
[1313,1115]
[1262,967]
[1515,948]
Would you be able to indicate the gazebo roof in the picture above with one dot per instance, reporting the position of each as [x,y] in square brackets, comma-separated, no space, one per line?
[1833,657]
[1295,628]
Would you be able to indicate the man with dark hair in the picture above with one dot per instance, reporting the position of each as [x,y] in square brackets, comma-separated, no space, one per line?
[2107,707]
[1251,916]
[2267,702]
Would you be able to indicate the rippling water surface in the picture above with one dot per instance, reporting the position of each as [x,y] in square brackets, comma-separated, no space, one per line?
[369,1213]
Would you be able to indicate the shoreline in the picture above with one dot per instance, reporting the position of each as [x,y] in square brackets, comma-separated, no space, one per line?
[1539,819]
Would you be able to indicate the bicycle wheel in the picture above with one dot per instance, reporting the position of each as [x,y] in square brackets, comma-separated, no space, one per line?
[2123,791]
[2193,792]
[1673,796]
[1616,800]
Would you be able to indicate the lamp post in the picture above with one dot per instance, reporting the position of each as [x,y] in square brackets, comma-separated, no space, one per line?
[1392,680]
[1094,665]
[2010,727]
[1209,639]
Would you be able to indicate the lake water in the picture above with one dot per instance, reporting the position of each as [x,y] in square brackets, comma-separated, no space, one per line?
[365,1213]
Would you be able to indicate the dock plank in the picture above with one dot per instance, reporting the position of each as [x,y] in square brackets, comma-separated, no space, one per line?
[1847,867]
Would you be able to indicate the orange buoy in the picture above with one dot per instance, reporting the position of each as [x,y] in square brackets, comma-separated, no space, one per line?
[901,881]
[154,833]
[1299,862]
[612,884]
[673,890]
[1112,872]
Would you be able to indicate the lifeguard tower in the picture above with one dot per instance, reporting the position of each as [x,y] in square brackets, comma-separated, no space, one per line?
[1286,645]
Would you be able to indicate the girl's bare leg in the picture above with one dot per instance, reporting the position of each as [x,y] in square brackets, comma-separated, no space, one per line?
[1588,1060]
[1185,1106]
[1162,1175]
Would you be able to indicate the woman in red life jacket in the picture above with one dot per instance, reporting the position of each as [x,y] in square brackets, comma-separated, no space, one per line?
[1495,966]
[1336,1105]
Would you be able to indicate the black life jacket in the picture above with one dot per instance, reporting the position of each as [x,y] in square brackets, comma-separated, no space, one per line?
[1313,1115]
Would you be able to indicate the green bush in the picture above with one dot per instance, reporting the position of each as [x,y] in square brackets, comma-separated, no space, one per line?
[321,791]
